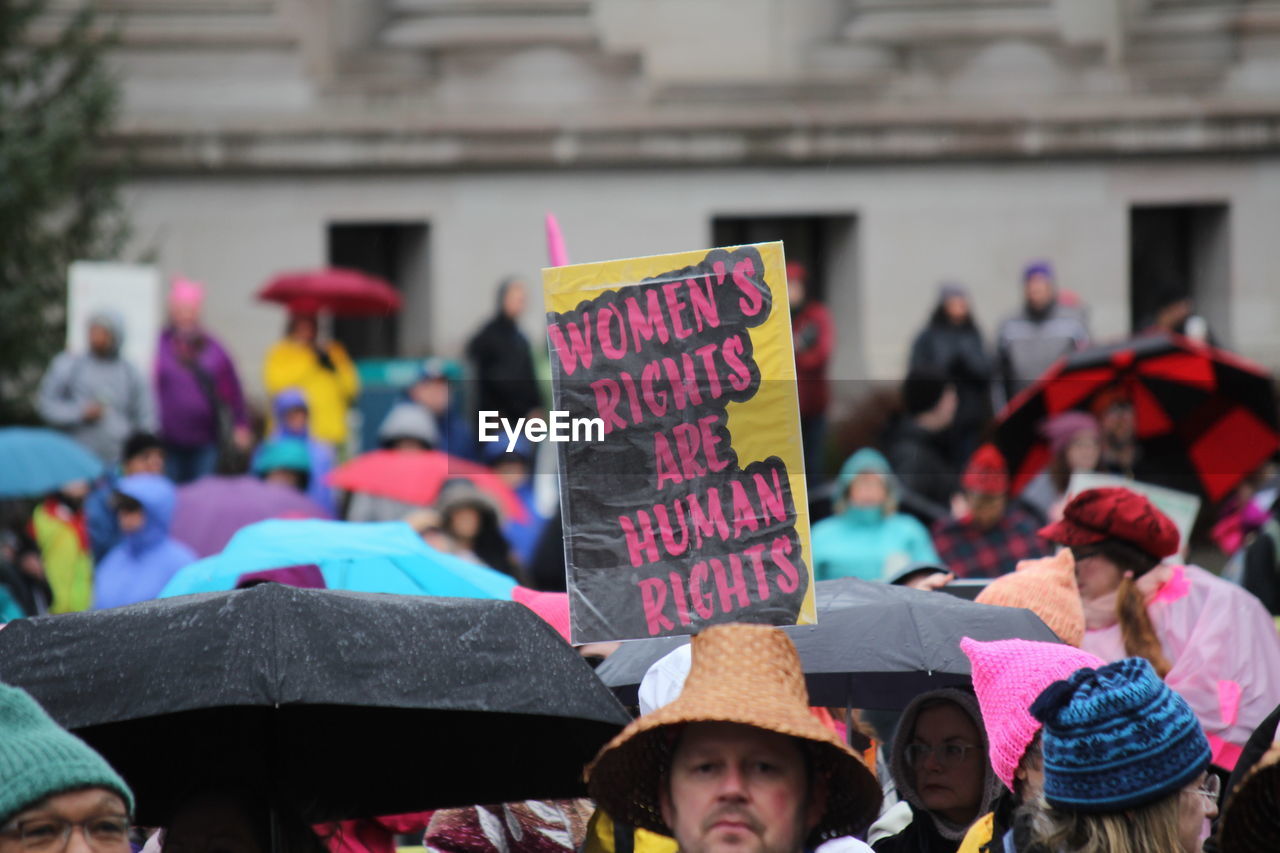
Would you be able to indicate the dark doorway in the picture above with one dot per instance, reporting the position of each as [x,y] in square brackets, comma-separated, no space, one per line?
[395,252]
[1180,252]
[805,239]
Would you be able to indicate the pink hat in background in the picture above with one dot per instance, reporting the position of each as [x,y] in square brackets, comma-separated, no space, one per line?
[186,292]
[1009,675]
[1062,429]
[553,607]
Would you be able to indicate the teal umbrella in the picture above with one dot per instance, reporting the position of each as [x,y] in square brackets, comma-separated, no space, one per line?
[379,557]
[36,461]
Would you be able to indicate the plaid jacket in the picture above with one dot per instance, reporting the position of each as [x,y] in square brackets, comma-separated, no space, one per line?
[973,553]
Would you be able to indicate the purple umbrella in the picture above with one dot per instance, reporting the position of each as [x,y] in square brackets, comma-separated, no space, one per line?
[212,509]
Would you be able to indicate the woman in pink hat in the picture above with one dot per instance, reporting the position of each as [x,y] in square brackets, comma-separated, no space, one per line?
[1008,675]
[201,405]
[1075,444]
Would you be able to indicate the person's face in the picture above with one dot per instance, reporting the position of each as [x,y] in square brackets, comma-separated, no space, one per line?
[986,510]
[513,301]
[464,523]
[131,519]
[513,471]
[432,395]
[285,477]
[1119,423]
[101,814]
[956,309]
[1083,452]
[739,789]
[149,461]
[1039,291]
[211,824]
[185,316]
[948,764]
[101,340]
[795,291]
[868,489]
[1096,576]
[295,421]
[304,330]
[1195,806]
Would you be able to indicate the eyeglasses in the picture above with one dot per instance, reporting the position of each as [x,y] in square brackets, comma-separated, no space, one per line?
[1210,787]
[50,835]
[947,754]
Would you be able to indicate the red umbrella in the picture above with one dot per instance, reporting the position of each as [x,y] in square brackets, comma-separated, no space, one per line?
[341,291]
[1205,417]
[417,476]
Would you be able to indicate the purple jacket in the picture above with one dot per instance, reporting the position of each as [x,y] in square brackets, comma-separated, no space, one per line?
[187,417]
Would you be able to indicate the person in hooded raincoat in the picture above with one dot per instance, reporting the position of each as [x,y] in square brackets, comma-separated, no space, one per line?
[147,557]
[942,773]
[503,363]
[98,397]
[323,372]
[407,428]
[868,538]
[1208,639]
[293,420]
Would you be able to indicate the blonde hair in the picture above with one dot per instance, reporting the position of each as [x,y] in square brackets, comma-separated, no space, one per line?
[1152,828]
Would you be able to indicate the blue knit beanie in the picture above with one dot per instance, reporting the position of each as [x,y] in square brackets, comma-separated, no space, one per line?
[38,758]
[1117,737]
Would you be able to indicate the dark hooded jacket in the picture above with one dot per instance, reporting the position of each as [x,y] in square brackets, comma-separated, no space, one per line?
[503,365]
[929,832]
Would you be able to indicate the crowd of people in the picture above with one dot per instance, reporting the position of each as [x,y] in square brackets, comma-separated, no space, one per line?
[1142,731]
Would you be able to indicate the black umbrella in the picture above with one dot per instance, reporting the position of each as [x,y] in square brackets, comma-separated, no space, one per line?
[875,645]
[342,704]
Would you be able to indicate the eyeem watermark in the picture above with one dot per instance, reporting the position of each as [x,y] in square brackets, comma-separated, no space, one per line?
[558,426]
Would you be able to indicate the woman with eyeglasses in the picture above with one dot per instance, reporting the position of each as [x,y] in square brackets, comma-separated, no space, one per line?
[1125,767]
[942,774]
[56,794]
[1211,641]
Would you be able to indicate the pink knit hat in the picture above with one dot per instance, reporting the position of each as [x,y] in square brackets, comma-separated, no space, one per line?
[186,292]
[1009,675]
[553,607]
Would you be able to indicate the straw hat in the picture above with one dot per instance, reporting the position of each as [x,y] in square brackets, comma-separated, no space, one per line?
[747,674]
[1251,820]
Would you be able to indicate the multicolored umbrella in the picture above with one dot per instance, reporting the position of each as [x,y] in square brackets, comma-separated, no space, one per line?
[36,461]
[1206,417]
[377,557]
[417,476]
[213,509]
[340,291]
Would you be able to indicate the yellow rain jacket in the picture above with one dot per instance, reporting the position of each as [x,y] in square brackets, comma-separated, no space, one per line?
[329,393]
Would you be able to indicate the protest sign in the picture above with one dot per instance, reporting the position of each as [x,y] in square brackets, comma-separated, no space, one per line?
[692,509]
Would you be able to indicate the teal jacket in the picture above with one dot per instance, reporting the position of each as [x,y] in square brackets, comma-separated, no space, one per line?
[865,542]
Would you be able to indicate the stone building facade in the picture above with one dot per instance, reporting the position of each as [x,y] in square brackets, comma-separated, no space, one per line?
[893,143]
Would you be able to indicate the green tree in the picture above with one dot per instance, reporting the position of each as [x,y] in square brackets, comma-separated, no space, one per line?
[58,198]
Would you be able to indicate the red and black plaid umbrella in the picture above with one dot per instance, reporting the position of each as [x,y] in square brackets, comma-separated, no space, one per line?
[1206,418]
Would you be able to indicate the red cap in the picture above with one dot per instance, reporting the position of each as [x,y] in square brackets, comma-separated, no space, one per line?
[1115,513]
[796,270]
[986,473]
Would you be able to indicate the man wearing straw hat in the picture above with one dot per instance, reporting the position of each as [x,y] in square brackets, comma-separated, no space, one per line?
[736,762]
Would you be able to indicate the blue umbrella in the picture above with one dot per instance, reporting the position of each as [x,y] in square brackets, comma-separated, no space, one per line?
[379,557]
[36,461]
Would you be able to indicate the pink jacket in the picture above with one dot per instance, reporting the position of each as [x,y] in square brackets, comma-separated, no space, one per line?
[1223,646]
